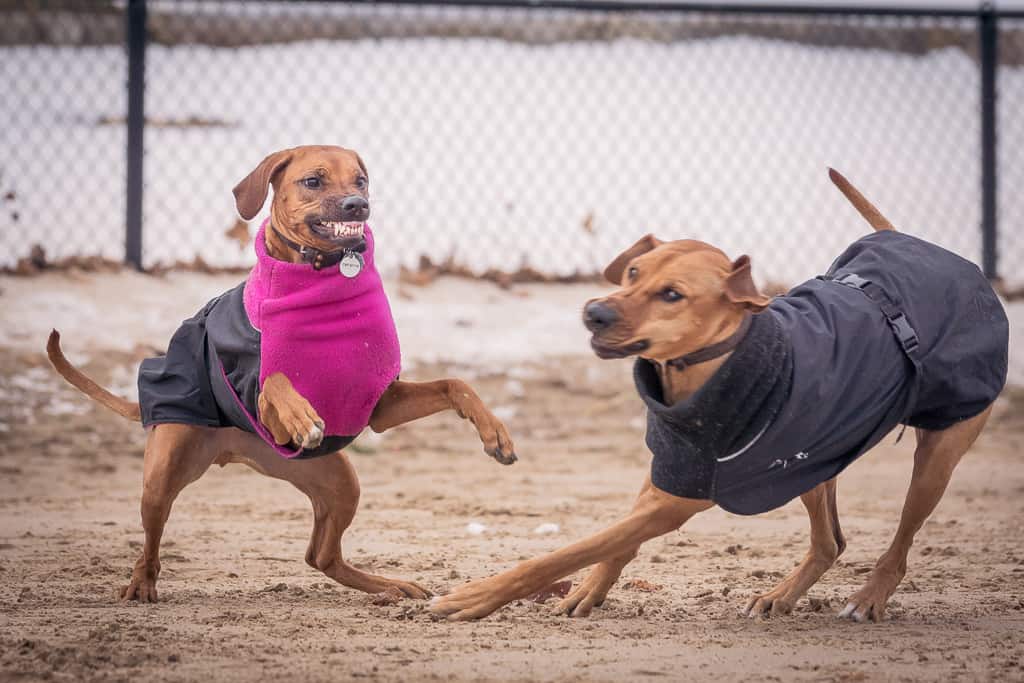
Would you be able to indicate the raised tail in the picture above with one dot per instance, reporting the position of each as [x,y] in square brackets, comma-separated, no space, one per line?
[860,202]
[80,381]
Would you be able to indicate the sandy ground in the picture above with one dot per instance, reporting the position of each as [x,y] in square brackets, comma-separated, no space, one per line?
[239,603]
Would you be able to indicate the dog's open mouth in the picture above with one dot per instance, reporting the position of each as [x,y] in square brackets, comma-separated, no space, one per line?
[339,230]
[609,351]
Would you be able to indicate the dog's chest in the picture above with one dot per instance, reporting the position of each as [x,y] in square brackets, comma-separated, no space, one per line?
[333,337]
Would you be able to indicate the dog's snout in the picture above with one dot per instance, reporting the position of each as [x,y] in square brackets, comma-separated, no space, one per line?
[355,207]
[599,316]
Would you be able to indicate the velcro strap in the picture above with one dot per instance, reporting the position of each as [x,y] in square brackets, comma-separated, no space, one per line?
[901,327]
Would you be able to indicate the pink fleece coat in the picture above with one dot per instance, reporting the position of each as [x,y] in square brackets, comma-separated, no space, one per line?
[333,337]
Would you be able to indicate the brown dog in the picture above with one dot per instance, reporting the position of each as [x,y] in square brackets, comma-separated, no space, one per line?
[697,319]
[319,193]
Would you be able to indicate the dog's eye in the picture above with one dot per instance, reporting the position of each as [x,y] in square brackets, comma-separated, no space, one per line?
[311,182]
[670,295]
[361,182]
[632,272]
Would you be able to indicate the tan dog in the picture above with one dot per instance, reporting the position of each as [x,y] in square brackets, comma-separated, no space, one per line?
[685,306]
[317,192]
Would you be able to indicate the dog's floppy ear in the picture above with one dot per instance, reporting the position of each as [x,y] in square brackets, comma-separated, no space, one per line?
[362,165]
[251,192]
[740,287]
[613,272]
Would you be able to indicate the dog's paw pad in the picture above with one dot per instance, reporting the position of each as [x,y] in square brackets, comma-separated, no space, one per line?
[503,457]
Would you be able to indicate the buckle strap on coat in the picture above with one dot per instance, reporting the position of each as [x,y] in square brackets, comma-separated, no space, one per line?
[901,327]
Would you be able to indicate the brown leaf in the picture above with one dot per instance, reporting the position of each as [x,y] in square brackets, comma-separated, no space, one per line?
[555,590]
[240,233]
[391,596]
[588,223]
[641,585]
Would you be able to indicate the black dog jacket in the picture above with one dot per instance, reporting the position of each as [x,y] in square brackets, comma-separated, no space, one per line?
[210,374]
[899,331]
[330,334]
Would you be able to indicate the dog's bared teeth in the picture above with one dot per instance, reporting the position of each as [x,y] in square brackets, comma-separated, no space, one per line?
[354,228]
[344,229]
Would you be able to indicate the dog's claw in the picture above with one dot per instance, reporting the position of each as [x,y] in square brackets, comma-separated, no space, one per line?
[847,611]
[314,437]
[503,457]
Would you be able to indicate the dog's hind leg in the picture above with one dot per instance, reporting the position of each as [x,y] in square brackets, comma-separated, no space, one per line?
[176,455]
[592,591]
[827,544]
[937,455]
[334,492]
[331,483]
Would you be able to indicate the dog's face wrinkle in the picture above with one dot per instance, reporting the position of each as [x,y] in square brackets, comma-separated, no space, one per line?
[311,190]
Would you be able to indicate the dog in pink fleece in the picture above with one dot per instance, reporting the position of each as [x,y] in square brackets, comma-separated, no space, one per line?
[330,334]
[343,322]
[295,361]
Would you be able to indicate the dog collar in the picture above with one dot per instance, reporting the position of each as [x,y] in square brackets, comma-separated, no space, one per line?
[715,350]
[316,258]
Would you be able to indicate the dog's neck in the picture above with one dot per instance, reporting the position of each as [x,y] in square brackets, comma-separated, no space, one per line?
[678,385]
[276,248]
[681,381]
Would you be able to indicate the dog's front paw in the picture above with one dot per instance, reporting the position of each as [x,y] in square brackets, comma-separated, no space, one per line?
[493,432]
[474,600]
[288,416]
[313,436]
[591,592]
[300,429]
[503,456]
[496,439]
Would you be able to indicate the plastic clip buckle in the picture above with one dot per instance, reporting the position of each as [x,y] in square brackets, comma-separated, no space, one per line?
[904,332]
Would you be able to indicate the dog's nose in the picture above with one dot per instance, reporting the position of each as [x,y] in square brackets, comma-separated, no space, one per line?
[355,207]
[598,316]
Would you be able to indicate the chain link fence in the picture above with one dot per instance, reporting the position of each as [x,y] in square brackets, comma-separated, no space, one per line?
[510,137]
[1010,131]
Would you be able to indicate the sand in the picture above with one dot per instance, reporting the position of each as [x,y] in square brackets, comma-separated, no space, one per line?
[239,603]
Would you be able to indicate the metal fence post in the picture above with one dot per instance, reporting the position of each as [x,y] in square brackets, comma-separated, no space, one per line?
[136,38]
[988,35]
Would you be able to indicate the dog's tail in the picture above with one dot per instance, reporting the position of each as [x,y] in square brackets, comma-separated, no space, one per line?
[860,202]
[80,381]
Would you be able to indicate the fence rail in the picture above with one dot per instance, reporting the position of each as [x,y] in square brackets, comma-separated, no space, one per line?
[515,133]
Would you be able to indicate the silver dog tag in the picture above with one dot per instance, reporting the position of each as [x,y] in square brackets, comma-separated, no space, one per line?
[351,264]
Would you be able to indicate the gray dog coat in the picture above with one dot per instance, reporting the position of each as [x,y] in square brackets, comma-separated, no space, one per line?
[899,331]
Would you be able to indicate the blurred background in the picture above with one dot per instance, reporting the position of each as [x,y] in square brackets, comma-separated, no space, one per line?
[530,137]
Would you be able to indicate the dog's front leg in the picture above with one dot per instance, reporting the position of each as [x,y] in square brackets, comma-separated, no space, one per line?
[655,513]
[592,591]
[287,414]
[407,401]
